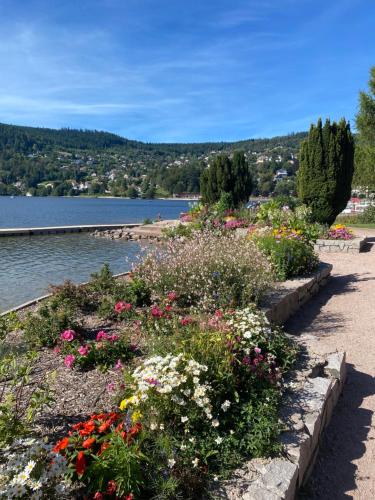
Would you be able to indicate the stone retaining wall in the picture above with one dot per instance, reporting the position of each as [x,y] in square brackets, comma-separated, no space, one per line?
[348,246]
[292,294]
[309,404]
[309,399]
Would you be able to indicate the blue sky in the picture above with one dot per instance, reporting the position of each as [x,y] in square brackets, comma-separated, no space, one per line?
[172,70]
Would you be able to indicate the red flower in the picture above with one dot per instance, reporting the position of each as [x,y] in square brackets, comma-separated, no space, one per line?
[61,445]
[129,497]
[88,428]
[98,496]
[88,443]
[122,306]
[168,308]
[186,321]
[111,487]
[156,312]
[172,296]
[80,463]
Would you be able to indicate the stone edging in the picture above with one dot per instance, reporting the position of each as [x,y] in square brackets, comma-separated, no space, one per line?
[292,294]
[354,245]
[307,412]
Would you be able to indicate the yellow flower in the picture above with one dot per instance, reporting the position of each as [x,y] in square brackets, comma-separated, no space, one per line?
[129,401]
[137,415]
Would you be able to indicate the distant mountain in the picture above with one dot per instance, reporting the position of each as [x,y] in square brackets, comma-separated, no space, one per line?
[46,161]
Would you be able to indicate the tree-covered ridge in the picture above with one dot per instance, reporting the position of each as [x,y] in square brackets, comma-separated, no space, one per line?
[43,161]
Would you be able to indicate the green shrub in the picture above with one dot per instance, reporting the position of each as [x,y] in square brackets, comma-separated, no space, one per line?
[182,230]
[43,327]
[289,257]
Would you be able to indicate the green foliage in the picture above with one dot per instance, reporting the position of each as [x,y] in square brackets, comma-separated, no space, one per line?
[365,150]
[366,217]
[8,323]
[289,257]
[326,170]
[43,327]
[21,396]
[227,176]
[182,230]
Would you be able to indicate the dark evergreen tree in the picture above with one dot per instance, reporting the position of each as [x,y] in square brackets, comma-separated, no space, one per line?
[242,180]
[326,169]
[227,176]
[365,151]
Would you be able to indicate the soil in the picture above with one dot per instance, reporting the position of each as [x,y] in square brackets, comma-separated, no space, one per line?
[342,317]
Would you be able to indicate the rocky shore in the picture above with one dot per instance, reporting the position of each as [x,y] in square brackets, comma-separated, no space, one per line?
[150,232]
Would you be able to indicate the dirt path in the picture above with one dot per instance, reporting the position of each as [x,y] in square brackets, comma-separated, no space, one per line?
[342,317]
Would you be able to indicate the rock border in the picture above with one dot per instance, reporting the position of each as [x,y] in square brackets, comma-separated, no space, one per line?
[290,295]
[307,412]
[354,245]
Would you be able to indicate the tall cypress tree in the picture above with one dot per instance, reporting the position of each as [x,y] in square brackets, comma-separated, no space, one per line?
[365,151]
[326,169]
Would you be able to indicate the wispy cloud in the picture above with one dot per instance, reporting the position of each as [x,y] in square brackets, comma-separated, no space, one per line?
[185,71]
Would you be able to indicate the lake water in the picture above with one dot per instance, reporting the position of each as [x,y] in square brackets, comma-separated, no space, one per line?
[23,211]
[28,264]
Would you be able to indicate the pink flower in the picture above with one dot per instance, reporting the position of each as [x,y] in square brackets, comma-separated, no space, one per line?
[113,338]
[118,365]
[57,350]
[257,350]
[156,312]
[83,350]
[186,321]
[172,296]
[168,308]
[111,386]
[122,306]
[218,314]
[68,335]
[101,335]
[69,360]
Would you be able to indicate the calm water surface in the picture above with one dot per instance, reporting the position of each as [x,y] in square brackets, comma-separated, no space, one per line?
[28,264]
[23,211]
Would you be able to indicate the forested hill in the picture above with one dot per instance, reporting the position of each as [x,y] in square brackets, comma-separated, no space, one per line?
[43,161]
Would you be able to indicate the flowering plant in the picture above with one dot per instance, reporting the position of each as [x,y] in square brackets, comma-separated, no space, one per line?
[104,351]
[208,271]
[340,232]
[104,454]
[32,469]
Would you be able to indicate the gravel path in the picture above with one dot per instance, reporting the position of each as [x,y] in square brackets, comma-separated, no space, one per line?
[342,317]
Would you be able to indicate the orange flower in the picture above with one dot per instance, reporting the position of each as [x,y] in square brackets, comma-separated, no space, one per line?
[80,463]
[61,445]
[103,447]
[88,428]
[88,443]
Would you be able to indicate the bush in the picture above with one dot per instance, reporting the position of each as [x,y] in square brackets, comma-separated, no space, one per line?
[207,271]
[104,352]
[289,257]
[43,328]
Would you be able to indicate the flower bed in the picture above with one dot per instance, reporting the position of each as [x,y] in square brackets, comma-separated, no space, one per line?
[191,367]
